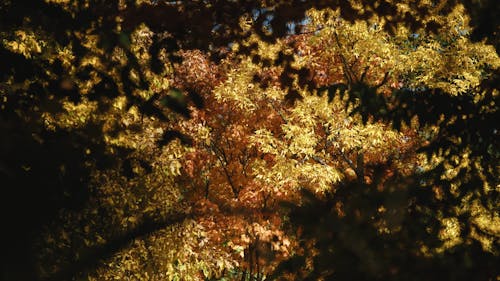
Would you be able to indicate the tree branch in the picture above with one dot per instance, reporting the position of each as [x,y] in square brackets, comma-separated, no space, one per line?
[223,160]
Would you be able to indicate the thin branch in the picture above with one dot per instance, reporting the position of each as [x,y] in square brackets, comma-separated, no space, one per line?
[223,160]
[386,77]
[279,112]
[349,161]
[358,168]
[360,171]
[347,70]
[319,160]
[207,189]
[363,75]
[311,31]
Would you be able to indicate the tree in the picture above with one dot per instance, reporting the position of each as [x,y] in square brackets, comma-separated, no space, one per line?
[155,149]
[436,207]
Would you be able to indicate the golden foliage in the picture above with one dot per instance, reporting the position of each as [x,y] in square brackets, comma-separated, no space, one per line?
[251,148]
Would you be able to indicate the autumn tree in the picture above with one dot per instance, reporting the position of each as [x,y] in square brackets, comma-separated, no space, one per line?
[436,207]
[244,139]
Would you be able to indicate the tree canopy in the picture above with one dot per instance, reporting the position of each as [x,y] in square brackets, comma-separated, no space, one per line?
[249,140]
